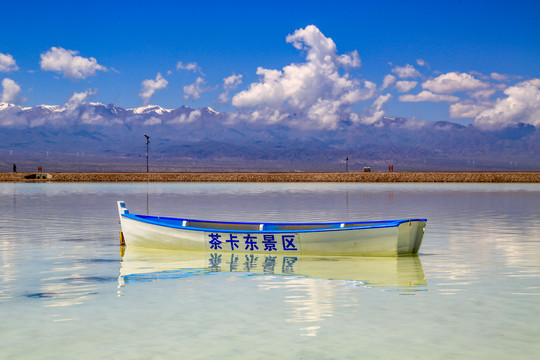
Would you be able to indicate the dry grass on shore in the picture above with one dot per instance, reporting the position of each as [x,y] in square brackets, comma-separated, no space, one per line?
[459,177]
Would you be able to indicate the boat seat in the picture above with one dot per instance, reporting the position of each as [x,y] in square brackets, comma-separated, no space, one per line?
[222,226]
[292,227]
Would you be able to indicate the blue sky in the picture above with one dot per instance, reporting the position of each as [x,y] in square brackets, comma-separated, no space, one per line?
[486,52]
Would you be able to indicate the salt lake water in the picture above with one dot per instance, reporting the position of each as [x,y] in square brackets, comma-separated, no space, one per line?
[68,292]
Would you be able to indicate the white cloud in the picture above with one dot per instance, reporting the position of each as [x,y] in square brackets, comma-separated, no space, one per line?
[521,105]
[7,63]
[454,82]
[350,60]
[401,85]
[466,109]
[407,71]
[78,98]
[534,82]
[428,96]
[388,81]
[184,118]
[189,67]
[376,110]
[194,115]
[149,87]
[91,118]
[230,83]
[152,121]
[404,86]
[10,92]
[480,75]
[420,62]
[195,90]
[9,116]
[69,64]
[325,112]
[483,94]
[309,94]
[73,110]
[499,77]
[224,97]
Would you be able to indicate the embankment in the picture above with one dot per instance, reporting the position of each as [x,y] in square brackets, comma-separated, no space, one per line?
[427,177]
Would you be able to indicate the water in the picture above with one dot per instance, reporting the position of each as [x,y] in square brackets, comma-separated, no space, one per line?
[66,292]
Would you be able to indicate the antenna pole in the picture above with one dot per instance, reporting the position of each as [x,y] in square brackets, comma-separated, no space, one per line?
[147,142]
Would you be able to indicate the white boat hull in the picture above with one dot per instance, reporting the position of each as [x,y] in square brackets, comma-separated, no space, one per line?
[400,237]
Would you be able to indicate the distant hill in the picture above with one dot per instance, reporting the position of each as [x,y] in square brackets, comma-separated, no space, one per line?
[94,136]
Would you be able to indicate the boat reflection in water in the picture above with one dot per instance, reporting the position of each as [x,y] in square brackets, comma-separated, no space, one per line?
[144,264]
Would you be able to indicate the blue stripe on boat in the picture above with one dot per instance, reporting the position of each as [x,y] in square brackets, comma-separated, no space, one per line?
[252,227]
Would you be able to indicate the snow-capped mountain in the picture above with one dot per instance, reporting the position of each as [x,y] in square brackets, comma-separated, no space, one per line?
[207,135]
[150,109]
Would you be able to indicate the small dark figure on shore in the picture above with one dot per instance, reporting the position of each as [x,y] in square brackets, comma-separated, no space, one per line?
[14,168]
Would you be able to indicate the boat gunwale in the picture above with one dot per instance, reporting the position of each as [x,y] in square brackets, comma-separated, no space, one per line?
[335,226]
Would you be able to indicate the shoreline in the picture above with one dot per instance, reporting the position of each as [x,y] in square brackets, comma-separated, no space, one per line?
[286,177]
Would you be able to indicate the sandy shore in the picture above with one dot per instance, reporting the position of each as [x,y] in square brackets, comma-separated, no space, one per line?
[469,177]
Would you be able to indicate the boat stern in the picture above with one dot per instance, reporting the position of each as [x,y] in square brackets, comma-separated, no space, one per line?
[410,236]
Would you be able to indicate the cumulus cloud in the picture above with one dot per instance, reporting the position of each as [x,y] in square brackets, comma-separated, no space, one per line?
[78,98]
[195,90]
[388,81]
[428,96]
[521,105]
[10,92]
[189,67]
[149,87]
[483,94]
[230,83]
[7,63]
[420,62]
[152,121]
[376,110]
[479,75]
[401,85]
[73,110]
[407,71]
[499,77]
[466,109]
[350,60]
[91,118]
[404,86]
[69,64]
[9,116]
[454,82]
[310,94]
[186,118]
[224,97]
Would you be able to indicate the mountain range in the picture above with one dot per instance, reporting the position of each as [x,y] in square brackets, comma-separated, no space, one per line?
[94,137]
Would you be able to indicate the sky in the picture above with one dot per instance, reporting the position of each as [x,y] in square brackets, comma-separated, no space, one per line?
[457,60]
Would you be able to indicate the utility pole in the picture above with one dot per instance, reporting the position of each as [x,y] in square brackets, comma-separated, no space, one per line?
[147,142]
[347,164]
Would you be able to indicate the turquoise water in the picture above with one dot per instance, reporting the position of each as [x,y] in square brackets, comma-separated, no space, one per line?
[66,291]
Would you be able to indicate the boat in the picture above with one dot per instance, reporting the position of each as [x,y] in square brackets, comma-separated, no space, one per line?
[369,238]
